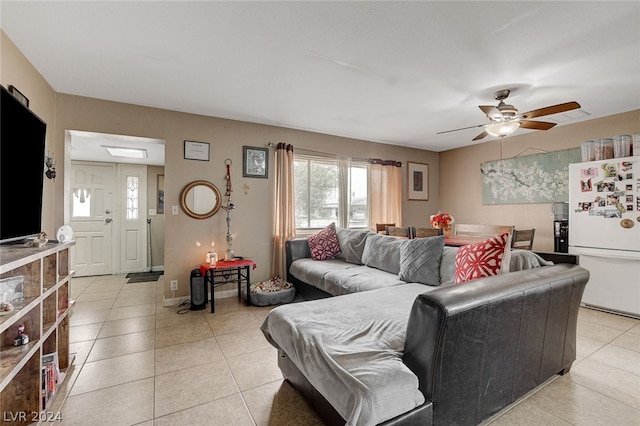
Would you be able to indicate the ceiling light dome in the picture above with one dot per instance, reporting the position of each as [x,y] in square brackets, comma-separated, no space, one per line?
[504,128]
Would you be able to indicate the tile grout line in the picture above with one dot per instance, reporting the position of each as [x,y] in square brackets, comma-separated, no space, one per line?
[94,340]
[235,382]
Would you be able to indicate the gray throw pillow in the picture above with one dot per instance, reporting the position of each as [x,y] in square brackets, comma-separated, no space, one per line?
[382,252]
[420,260]
[352,244]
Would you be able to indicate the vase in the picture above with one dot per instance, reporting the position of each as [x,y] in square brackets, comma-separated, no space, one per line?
[446,232]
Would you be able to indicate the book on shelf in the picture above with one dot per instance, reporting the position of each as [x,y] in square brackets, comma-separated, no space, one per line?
[51,376]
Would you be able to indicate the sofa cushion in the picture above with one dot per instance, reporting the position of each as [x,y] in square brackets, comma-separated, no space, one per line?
[358,279]
[352,243]
[350,348]
[312,272]
[324,245]
[420,260]
[382,252]
[482,259]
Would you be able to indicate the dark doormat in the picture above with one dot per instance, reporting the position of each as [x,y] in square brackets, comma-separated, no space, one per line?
[140,277]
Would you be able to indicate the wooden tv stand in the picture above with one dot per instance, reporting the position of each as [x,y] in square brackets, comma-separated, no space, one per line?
[44,311]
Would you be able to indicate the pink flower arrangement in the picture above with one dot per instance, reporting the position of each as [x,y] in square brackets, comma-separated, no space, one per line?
[441,220]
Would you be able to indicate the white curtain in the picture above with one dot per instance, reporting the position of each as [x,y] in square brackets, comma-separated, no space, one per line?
[285,223]
[385,193]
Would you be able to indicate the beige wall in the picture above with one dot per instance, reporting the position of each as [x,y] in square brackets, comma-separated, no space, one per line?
[461,182]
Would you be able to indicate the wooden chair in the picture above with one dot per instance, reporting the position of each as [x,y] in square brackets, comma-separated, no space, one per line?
[399,231]
[426,232]
[382,227]
[522,239]
[472,230]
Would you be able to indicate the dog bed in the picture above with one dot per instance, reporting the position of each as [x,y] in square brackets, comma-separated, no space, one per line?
[275,291]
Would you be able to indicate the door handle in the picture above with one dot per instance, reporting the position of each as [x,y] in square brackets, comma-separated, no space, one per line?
[108,220]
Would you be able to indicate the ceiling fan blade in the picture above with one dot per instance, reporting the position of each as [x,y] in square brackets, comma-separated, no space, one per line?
[490,111]
[536,125]
[462,128]
[554,109]
[480,136]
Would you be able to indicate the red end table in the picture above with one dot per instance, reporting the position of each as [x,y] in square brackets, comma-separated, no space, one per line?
[225,272]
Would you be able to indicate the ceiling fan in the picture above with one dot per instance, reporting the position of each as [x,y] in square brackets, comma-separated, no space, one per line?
[504,119]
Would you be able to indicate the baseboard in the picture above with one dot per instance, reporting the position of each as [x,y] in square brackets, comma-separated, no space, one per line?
[176,301]
[173,301]
[610,310]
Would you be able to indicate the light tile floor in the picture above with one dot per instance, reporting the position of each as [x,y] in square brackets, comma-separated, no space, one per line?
[139,363]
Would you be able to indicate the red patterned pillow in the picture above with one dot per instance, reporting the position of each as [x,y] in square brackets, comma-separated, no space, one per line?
[482,259]
[324,245]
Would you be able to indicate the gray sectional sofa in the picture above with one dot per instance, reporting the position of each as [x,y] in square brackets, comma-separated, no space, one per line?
[388,351]
[370,261]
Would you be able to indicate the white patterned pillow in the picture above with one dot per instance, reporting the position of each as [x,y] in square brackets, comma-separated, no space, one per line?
[420,260]
[324,245]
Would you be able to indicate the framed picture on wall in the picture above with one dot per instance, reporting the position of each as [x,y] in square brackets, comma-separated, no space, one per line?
[255,162]
[418,181]
[196,150]
[160,207]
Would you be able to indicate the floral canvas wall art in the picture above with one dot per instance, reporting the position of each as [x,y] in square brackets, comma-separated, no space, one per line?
[532,179]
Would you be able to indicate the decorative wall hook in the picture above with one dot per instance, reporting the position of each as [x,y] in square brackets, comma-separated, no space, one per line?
[50,162]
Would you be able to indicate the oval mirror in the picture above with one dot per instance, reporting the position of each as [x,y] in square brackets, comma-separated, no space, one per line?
[200,199]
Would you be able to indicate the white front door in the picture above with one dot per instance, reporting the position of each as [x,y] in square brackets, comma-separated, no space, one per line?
[92,217]
[132,217]
[108,218]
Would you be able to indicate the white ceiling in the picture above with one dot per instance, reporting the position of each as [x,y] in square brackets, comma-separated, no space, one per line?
[392,72]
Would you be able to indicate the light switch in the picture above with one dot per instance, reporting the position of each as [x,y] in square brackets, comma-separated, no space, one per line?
[174,210]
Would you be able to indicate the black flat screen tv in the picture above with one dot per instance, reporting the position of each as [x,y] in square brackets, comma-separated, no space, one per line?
[22,144]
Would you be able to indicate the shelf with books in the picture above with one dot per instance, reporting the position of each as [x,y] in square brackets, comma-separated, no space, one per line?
[42,276]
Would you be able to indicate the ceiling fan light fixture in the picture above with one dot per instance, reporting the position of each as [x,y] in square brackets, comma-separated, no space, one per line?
[508,110]
[504,128]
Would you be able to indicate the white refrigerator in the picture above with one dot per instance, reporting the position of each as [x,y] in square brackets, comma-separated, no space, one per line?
[604,231]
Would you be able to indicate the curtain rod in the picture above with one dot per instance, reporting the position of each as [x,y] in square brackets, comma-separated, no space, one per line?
[324,154]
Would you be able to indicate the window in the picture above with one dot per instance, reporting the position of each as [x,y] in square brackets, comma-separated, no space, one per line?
[330,190]
[81,203]
[132,197]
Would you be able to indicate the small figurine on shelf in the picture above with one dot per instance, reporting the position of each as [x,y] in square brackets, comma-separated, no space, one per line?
[40,240]
[22,338]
